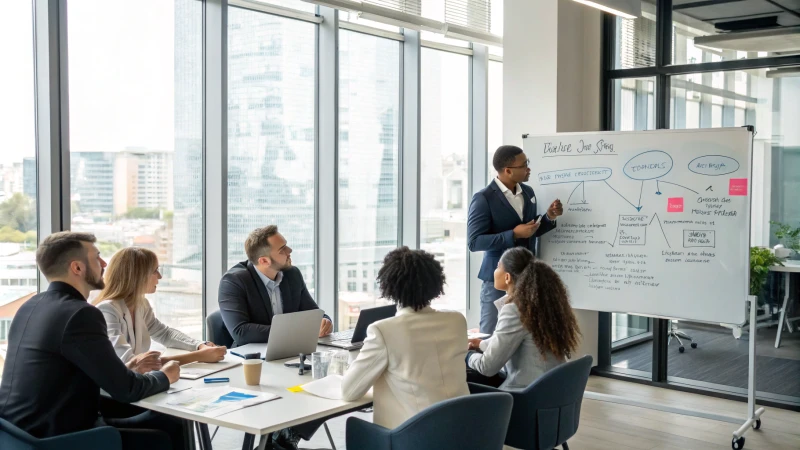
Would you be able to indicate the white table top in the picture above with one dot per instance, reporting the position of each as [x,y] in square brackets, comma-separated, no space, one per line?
[289,410]
[788,266]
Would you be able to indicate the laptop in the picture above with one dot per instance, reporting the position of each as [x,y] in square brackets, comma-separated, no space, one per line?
[290,335]
[354,339]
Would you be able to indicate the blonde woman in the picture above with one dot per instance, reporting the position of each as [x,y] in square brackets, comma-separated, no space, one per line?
[132,273]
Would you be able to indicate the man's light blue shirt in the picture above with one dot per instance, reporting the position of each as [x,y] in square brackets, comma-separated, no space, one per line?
[274,291]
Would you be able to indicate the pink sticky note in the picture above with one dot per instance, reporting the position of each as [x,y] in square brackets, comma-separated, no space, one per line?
[675,204]
[738,186]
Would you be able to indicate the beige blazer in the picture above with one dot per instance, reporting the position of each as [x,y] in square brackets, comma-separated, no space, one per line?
[130,341]
[414,360]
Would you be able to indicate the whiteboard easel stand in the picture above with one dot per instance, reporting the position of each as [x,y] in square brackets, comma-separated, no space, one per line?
[753,415]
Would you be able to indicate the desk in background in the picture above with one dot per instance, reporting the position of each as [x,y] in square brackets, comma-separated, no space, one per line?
[788,268]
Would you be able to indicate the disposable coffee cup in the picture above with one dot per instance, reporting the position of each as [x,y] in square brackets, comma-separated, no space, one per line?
[252,371]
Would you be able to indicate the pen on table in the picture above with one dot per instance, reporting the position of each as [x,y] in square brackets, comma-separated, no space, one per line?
[216,380]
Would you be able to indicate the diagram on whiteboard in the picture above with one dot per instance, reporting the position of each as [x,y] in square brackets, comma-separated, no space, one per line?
[646,214]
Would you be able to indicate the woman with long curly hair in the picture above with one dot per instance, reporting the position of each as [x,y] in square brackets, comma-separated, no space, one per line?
[536,328]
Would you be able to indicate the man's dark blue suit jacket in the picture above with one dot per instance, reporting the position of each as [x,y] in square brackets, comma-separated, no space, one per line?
[491,222]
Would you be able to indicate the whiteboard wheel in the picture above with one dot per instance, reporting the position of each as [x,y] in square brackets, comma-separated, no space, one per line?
[694,344]
[681,349]
[757,424]
[738,444]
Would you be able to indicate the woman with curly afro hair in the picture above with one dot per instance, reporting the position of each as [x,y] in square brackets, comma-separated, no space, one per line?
[536,328]
[416,358]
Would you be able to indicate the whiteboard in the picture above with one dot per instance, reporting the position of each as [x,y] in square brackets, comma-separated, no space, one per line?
[655,223]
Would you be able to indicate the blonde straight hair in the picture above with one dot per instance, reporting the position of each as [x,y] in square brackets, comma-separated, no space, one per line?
[127,275]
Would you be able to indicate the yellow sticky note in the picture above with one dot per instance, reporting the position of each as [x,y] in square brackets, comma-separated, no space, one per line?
[295,389]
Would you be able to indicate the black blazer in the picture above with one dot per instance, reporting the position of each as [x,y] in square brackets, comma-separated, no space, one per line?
[491,221]
[59,357]
[245,305]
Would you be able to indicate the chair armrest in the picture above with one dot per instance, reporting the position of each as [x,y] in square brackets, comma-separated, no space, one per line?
[475,388]
[363,435]
[99,438]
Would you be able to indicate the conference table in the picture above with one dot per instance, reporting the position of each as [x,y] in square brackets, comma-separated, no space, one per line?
[292,408]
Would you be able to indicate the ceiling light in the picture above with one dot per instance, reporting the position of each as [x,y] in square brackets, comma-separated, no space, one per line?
[628,9]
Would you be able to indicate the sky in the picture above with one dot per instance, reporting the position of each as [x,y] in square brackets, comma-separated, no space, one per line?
[120,76]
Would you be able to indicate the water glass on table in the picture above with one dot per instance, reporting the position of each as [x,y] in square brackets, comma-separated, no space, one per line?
[320,362]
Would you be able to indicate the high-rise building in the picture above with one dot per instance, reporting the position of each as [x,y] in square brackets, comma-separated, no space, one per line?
[29,177]
[116,182]
[92,182]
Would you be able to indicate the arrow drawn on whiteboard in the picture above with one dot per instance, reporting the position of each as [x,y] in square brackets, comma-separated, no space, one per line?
[640,197]
[573,191]
[638,208]
[655,216]
[667,182]
[616,233]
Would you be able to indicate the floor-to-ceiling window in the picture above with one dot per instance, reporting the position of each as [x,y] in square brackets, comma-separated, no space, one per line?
[18,218]
[135,127]
[369,141]
[271,132]
[444,177]
[495,110]
[730,83]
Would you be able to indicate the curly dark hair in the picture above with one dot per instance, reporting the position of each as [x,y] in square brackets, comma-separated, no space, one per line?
[543,303]
[411,278]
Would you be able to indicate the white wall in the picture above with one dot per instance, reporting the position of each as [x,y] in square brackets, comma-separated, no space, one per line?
[552,53]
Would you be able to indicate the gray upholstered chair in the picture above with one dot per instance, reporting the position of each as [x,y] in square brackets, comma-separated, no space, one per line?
[217,332]
[13,438]
[470,422]
[547,412]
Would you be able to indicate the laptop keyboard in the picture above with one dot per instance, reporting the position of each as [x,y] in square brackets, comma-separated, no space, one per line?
[340,336]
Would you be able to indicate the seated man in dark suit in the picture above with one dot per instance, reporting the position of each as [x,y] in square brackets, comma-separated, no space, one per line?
[253,291]
[59,356]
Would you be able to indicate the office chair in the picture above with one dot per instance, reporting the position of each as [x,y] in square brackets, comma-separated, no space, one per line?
[674,332]
[546,413]
[217,332]
[469,422]
[100,438]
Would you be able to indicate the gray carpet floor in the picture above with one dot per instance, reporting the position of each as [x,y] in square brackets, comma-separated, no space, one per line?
[721,359]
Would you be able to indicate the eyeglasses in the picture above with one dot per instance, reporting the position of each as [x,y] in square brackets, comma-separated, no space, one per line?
[524,166]
[159,270]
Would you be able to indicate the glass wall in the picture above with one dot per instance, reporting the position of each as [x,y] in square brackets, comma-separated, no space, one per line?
[733,99]
[135,116]
[369,141]
[271,132]
[444,183]
[18,218]
[727,85]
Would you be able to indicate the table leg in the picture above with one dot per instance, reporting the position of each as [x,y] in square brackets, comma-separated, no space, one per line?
[265,442]
[249,441]
[203,436]
[783,311]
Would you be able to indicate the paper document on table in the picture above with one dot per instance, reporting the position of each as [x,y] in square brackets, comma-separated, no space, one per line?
[214,402]
[178,386]
[328,387]
[477,335]
[195,370]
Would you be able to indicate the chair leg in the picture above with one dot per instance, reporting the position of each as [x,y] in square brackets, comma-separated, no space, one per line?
[564,446]
[330,438]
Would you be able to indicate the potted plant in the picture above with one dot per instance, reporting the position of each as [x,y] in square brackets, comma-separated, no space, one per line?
[761,259]
[788,236]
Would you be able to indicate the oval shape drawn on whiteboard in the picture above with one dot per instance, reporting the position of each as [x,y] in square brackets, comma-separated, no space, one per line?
[648,165]
[713,165]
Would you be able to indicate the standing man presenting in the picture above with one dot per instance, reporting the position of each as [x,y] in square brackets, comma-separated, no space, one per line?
[504,215]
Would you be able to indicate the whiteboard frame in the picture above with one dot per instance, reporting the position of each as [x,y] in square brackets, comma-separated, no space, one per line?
[751,130]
